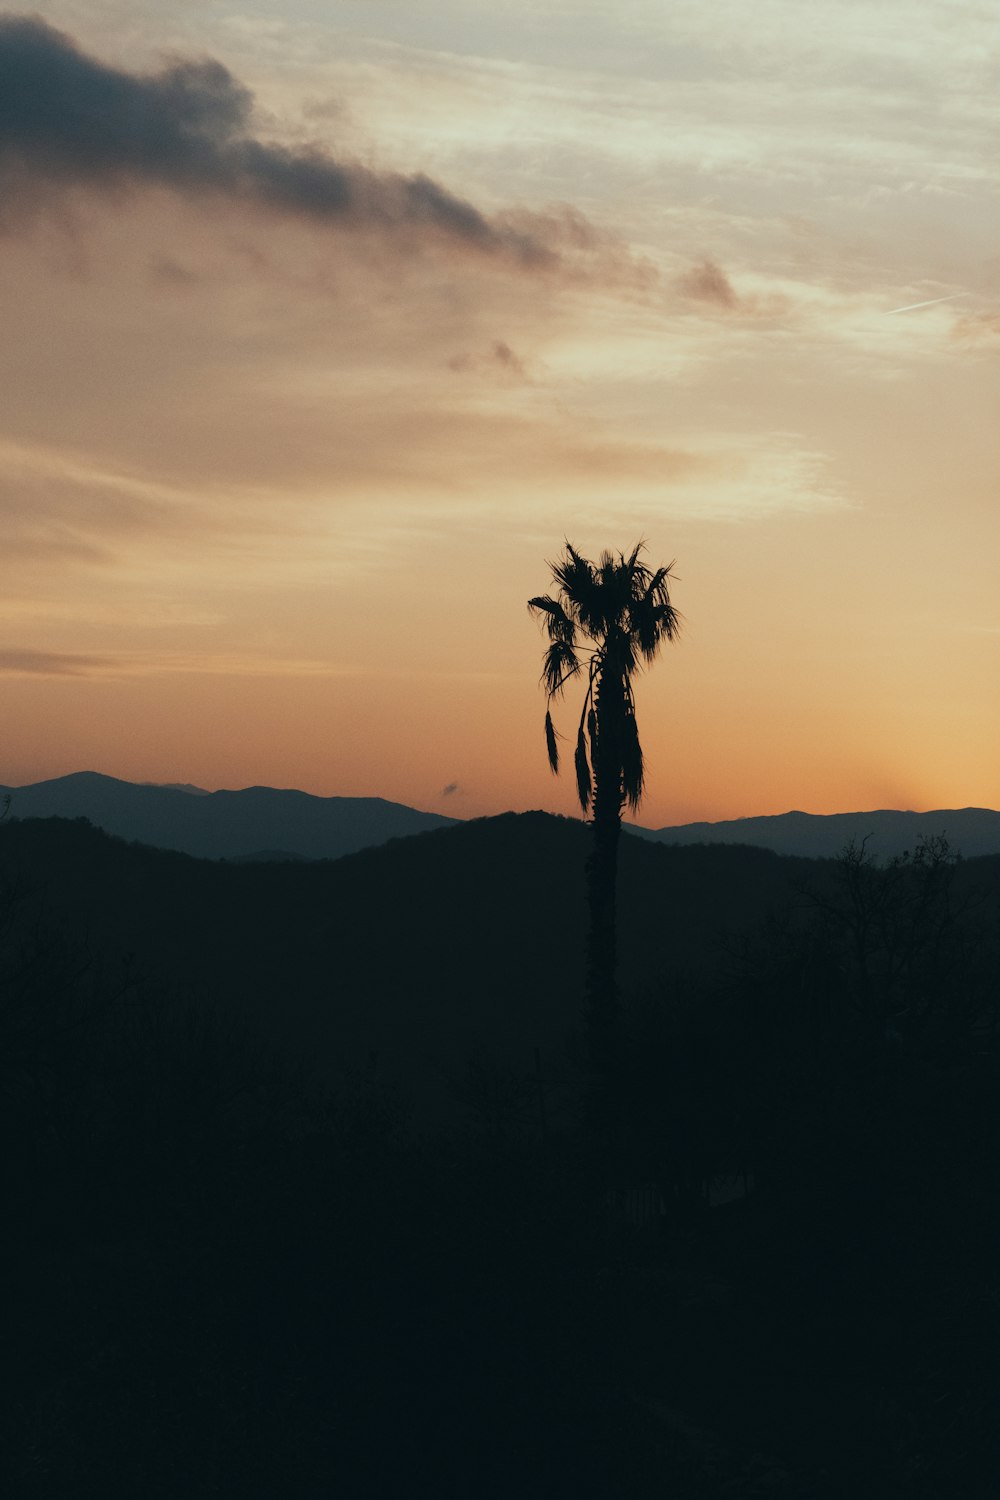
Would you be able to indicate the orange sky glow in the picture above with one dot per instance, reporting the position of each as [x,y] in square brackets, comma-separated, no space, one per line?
[324,326]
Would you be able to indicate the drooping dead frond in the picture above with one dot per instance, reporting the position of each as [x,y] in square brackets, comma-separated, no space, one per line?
[550,744]
[633,770]
[583,781]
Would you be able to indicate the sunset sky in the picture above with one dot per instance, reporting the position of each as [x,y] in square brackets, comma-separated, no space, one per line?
[323,325]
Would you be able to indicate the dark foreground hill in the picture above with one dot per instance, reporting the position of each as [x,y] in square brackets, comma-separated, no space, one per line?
[256,821]
[237,1270]
[419,954]
[971,831]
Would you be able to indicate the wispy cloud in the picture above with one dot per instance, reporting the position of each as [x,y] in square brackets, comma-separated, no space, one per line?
[929,302]
[978,327]
[20,662]
[498,360]
[51,663]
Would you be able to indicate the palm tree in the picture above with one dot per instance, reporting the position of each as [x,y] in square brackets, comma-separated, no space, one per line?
[606,619]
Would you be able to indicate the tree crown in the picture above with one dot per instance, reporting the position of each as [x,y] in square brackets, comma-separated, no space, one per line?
[612,615]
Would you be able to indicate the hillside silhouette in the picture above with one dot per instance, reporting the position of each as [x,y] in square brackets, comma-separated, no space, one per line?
[302,1197]
[417,953]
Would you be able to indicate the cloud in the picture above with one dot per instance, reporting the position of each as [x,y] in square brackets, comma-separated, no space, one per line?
[450,789]
[50,664]
[977,327]
[68,120]
[504,356]
[52,506]
[17,662]
[165,272]
[707,282]
[499,358]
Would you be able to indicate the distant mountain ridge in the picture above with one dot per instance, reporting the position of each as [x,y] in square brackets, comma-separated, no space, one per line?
[262,822]
[970,831]
[271,823]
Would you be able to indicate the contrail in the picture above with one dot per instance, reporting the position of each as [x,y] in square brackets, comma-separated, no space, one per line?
[912,306]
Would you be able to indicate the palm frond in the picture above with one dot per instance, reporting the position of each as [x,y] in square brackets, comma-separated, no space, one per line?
[580,588]
[656,584]
[652,617]
[613,591]
[559,664]
[557,622]
[668,621]
[550,743]
[636,573]
[583,778]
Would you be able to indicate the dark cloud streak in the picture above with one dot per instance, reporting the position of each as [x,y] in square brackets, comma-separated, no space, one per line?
[500,358]
[707,282]
[50,663]
[67,119]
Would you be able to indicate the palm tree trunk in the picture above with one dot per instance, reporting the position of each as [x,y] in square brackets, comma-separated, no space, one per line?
[602,938]
[602,876]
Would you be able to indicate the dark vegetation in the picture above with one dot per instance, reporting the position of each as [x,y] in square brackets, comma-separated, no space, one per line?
[302,1200]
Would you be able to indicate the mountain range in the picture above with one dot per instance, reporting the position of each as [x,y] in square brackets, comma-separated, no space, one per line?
[257,822]
[269,823]
[970,831]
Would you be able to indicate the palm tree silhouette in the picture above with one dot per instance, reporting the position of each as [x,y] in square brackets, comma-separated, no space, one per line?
[606,619]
